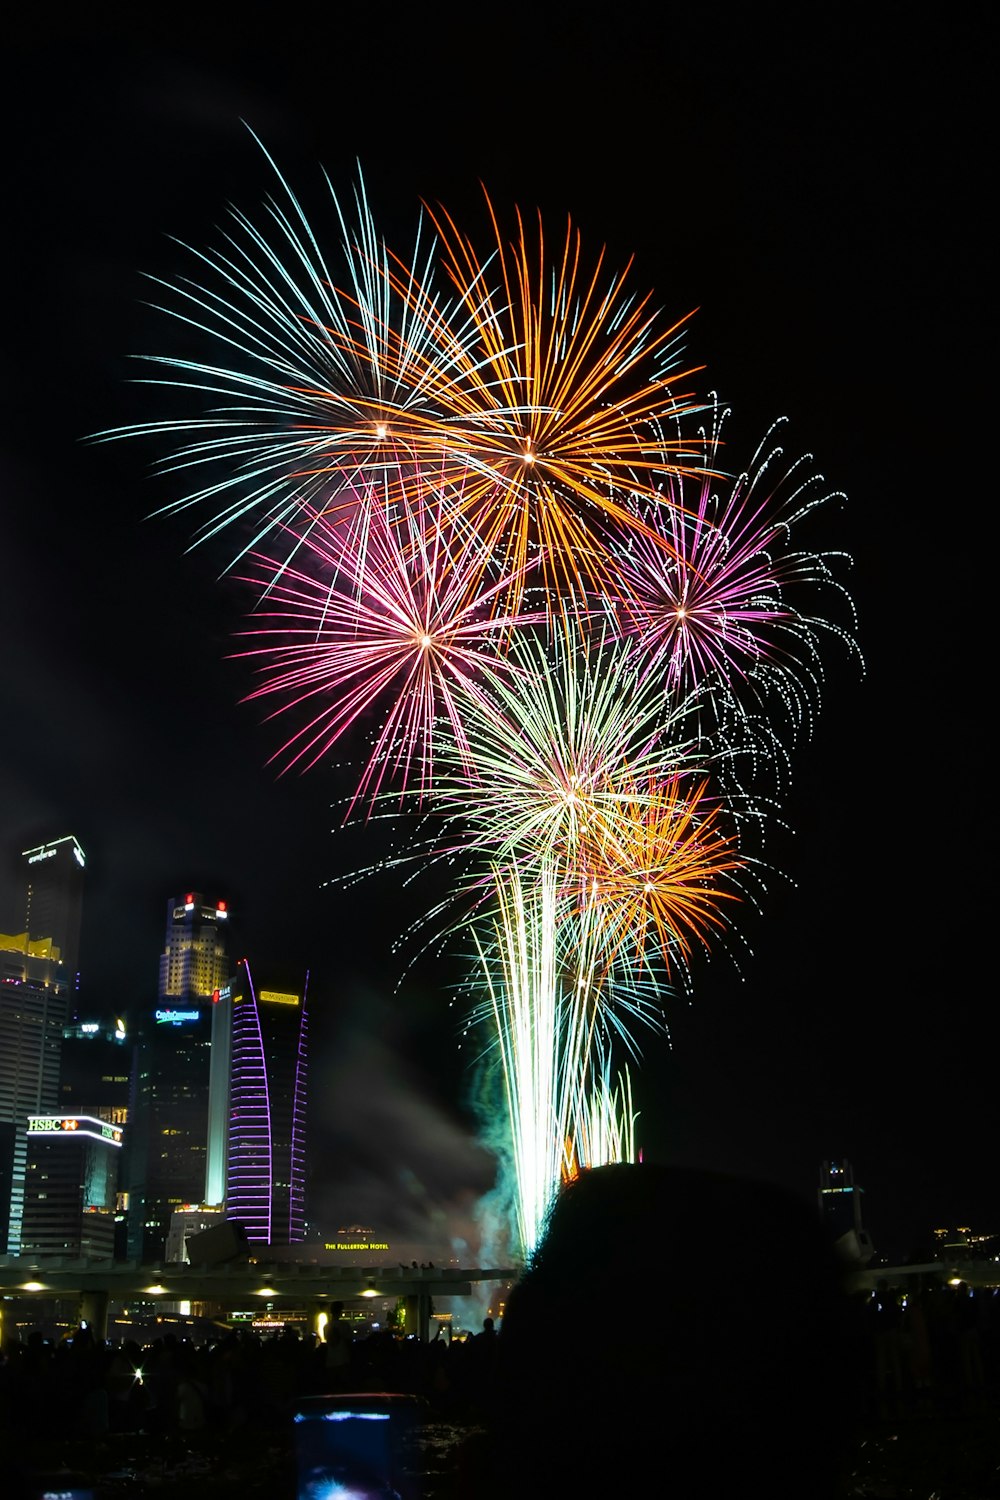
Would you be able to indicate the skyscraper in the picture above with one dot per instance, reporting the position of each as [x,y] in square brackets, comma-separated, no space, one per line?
[840,1209]
[70,1191]
[94,1081]
[265,1160]
[168,1106]
[38,972]
[54,900]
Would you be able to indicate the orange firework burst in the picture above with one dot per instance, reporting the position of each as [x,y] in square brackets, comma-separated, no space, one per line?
[549,381]
[656,869]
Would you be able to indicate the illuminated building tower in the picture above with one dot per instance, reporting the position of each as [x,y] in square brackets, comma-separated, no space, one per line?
[168,1103]
[94,1081]
[37,978]
[194,962]
[840,1209]
[94,1070]
[70,1188]
[32,1017]
[54,901]
[265,1164]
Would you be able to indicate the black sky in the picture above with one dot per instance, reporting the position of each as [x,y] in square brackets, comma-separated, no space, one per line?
[819,196]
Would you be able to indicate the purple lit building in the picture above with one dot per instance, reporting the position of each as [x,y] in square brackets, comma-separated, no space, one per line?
[265,1139]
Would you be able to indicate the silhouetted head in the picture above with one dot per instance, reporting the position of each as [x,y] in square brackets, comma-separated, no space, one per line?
[680,1325]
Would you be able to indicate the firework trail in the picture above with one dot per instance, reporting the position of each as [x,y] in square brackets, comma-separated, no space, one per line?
[606,1124]
[607,863]
[550,1026]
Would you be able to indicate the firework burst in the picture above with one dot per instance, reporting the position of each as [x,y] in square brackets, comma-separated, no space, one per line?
[402,630]
[553,381]
[318,381]
[716,607]
[659,873]
[559,747]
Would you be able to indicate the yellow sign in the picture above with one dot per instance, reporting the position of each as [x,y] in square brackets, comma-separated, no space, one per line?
[274,997]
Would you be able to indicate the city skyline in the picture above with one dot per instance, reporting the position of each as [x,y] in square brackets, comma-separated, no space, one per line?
[858,1025]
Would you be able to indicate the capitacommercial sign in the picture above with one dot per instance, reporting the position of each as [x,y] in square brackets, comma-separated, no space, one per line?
[175,1017]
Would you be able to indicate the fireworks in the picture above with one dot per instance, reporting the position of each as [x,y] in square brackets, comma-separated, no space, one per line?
[715,607]
[487,545]
[555,380]
[317,384]
[558,744]
[402,623]
[550,1025]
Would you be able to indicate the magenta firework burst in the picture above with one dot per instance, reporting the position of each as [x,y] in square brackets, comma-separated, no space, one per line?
[385,620]
[727,605]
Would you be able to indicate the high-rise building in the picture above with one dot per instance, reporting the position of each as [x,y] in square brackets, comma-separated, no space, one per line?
[54,900]
[71,1186]
[94,1069]
[94,1081]
[38,972]
[194,962]
[265,1156]
[185,1223]
[168,1102]
[840,1210]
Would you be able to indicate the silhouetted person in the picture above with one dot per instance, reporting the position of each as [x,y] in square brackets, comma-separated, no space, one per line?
[676,1331]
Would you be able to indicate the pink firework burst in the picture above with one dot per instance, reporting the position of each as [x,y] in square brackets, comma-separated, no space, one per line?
[720,606]
[386,613]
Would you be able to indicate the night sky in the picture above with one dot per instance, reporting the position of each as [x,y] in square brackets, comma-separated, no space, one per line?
[818,197]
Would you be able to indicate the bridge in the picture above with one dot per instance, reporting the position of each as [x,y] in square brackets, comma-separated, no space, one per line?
[237,1283]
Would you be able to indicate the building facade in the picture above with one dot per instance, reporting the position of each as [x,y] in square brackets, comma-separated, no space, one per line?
[169,1093]
[265,1155]
[840,1210]
[94,1080]
[53,878]
[70,1186]
[38,980]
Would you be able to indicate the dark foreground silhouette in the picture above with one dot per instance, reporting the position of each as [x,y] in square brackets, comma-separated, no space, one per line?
[675,1330]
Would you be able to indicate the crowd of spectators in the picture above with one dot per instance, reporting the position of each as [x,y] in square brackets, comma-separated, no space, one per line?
[718,1364]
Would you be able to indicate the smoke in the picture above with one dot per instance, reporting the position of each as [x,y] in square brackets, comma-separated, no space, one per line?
[386,1148]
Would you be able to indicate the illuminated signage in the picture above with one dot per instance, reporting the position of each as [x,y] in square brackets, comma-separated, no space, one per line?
[43,854]
[358,1245]
[275,997]
[89,1027]
[175,1017]
[97,1130]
